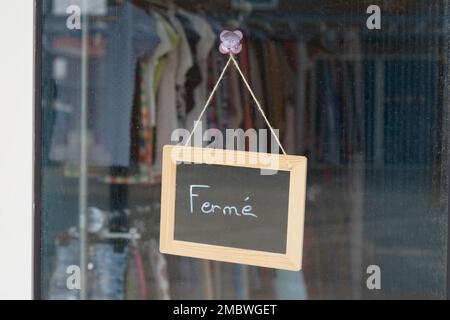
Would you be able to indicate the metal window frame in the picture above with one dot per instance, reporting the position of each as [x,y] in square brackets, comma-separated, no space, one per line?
[37,199]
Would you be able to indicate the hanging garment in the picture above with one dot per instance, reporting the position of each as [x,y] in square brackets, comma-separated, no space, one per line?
[65,139]
[235,108]
[150,66]
[288,86]
[290,285]
[146,128]
[174,32]
[276,87]
[193,75]
[222,97]
[347,111]
[203,48]
[159,269]
[130,36]
[141,151]
[132,280]
[329,142]
[257,85]
[166,108]
[244,61]
[106,281]
[256,79]
[263,47]
[354,44]
[289,131]
[301,102]
[136,126]
[108,276]
[185,63]
[151,70]
[260,62]
[212,113]
[141,273]
[67,255]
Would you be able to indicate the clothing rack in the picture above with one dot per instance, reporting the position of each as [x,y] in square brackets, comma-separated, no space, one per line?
[378,60]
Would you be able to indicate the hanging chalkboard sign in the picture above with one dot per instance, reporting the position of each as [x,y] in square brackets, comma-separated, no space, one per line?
[233,206]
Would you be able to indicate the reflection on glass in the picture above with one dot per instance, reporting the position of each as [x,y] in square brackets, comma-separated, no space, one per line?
[367,107]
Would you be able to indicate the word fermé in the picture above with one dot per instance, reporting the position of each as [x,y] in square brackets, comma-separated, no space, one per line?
[207,207]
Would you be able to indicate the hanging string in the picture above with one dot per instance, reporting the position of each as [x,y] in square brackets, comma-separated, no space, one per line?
[251,93]
[208,100]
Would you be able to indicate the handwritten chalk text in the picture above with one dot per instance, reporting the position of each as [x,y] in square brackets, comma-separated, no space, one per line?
[207,207]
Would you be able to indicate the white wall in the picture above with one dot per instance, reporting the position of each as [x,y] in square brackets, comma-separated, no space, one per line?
[16,148]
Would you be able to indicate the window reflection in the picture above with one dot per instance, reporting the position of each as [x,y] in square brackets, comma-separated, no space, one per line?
[367,107]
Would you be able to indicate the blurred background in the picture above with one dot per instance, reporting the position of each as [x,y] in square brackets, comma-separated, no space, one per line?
[366,106]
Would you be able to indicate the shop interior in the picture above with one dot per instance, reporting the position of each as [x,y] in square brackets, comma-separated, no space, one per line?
[366,107]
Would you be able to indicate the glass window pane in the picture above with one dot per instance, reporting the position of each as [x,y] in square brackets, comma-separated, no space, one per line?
[360,90]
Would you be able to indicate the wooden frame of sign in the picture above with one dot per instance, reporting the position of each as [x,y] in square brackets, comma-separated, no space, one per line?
[296,165]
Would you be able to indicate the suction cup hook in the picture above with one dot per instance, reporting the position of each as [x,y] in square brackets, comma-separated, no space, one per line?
[231,42]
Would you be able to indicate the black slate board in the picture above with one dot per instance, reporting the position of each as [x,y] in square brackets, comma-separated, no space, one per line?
[230,186]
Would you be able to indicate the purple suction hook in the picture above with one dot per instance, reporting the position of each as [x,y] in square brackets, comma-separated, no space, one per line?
[231,42]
